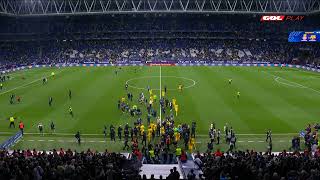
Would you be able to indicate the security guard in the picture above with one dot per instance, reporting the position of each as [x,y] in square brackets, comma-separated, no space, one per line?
[11,120]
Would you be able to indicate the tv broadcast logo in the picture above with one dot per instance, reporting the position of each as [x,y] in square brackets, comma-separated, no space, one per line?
[281,18]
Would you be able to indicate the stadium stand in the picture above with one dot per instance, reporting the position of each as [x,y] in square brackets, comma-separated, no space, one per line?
[142,38]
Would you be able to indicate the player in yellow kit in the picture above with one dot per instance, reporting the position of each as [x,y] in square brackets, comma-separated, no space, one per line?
[163,93]
[177,136]
[123,99]
[176,108]
[149,135]
[174,101]
[180,87]
[141,129]
[150,102]
[192,144]
[150,92]
[162,130]
[153,126]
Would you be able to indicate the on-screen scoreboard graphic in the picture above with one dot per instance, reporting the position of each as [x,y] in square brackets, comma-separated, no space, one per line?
[302,36]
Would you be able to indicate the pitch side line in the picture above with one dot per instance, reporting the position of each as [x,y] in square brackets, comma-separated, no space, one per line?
[200,135]
[106,141]
[27,84]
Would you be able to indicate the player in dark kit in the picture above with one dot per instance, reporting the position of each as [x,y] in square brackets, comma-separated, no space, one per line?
[105,132]
[269,136]
[52,127]
[12,98]
[126,86]
[44,81]
[50,101]
[120,132]
[112,133]
[193,129]
[78,137]
[40,127]
[126,144]
[70,94]
[70,111]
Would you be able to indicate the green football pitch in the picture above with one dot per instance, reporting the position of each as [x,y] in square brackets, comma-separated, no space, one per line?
[284,100]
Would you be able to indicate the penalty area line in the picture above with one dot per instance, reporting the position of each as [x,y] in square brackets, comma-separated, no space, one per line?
[299,85]
[27,84]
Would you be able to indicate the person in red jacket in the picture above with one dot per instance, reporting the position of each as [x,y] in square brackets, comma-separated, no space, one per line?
[218,153]
[21,127]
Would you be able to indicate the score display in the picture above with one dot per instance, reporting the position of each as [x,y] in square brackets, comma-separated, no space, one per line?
[302,36]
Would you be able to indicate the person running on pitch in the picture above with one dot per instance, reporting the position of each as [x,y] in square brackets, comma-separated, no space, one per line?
[70,111]
[50,101]
[105,132]
[52,127]
[21,127]
[70,94]
[126,146]
[40,127]
[78,137]
[269,136]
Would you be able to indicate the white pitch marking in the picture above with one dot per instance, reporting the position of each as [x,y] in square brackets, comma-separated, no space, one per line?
[160,112]
[250,141]
[27,84]
[314,90]
[144,77]
[199,135]
[292,85]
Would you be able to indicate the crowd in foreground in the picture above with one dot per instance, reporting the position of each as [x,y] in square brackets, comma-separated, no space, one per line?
[66,165]
[254,165]
[217,165]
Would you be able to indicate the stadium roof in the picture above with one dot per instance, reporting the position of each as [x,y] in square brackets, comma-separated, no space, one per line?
[87,7]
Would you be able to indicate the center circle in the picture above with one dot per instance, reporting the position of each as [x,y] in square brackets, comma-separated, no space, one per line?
[131,83]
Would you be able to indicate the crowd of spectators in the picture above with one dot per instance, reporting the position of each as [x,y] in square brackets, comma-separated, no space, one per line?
[125,38]
[27,164]
[253,165]
[141,50]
